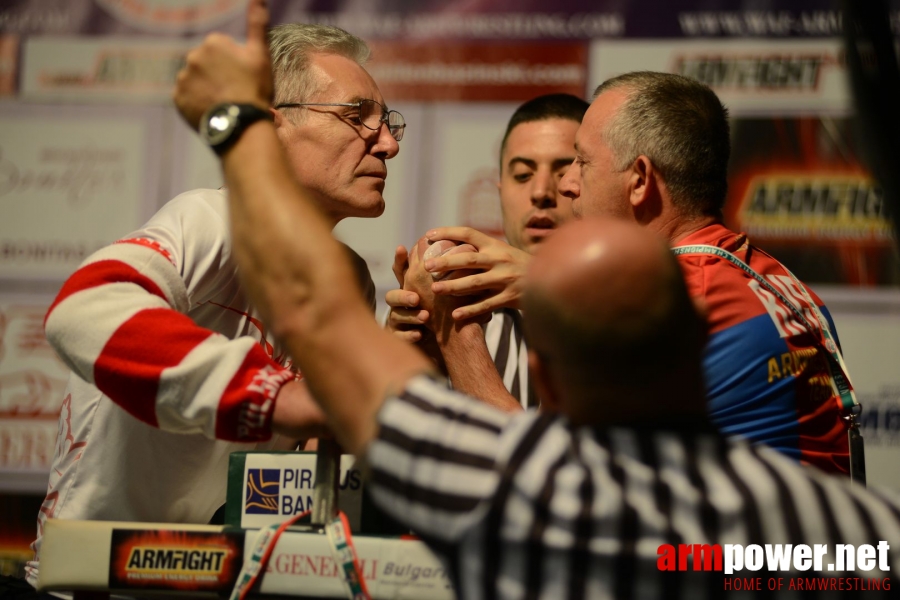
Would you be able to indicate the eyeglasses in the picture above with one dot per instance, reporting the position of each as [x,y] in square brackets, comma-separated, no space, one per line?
[371,114]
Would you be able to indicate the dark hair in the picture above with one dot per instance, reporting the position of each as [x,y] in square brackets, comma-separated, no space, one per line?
[549,106]
[682,127]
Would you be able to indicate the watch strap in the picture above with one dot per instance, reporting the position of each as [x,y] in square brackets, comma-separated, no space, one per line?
[245,115]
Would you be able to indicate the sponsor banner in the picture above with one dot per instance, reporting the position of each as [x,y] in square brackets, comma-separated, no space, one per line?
[26,453]
[380,19]
[880,420]
[185,557]
[272,487]
[193,164]
[467,140]
[819,206]
[72,179]
[582,21]
[32,384]
[34,18]
[477,71]
[166,16]
[868,326]
[32,378]
[749,76]
[174,560]
[391,568]
[818,18]
[102,69]
[797,187]
[9,64]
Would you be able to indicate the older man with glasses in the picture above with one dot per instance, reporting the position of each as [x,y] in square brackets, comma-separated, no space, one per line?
[172,369]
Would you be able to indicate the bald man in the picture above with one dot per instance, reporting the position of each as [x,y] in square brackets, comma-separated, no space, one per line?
[589,498]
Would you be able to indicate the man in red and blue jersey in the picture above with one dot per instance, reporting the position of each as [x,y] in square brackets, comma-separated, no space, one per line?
[653,148]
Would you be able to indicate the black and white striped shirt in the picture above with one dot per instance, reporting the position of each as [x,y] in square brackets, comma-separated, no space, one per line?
[506,343]
[526,506]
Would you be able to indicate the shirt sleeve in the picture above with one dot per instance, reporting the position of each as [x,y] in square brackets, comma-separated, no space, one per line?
[120,322]
[432,466]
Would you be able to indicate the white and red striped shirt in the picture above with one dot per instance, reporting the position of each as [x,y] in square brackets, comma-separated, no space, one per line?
[172,371]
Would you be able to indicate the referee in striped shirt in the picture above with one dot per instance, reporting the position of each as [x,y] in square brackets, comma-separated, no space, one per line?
[576,501]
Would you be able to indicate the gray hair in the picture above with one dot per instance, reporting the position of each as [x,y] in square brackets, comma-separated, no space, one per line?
[682,127]
[291,46]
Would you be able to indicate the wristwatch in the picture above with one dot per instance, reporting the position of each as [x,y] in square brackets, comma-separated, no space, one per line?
[223,124]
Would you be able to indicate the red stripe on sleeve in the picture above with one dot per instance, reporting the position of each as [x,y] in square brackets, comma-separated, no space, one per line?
[152,244]
[245,411]
[129,367]
[100,273]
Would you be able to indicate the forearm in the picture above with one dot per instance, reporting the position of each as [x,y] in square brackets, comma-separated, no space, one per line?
[472,370]
[280,236]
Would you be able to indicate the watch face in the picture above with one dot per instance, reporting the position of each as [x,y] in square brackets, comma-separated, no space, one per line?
[219,124]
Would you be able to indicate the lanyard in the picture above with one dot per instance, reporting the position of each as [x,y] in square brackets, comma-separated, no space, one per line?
[338,532]
[840,381]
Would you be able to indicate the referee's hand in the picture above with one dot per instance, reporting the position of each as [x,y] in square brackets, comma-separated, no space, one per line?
[221,70]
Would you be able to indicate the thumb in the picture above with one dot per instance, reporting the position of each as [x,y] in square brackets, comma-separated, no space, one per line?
[257,22]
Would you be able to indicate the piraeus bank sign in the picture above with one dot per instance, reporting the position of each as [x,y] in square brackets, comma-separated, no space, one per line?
[270,487]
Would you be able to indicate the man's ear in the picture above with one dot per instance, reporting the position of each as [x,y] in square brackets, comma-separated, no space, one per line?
[277,116]
[537,369]
[642,182]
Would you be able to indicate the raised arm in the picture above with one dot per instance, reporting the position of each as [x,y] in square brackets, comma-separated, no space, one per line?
[294,270]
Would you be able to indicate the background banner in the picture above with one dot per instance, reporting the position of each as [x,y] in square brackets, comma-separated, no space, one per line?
[90,147]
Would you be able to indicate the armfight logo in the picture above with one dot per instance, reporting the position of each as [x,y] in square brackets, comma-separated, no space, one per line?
[821,206]
[811,567]
[175,560]
[767,71]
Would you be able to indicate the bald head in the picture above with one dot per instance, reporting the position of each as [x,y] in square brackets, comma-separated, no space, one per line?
[607,309]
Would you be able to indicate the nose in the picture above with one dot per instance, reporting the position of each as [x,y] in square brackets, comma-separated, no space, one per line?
[570,184]
[543,189]
[385,145]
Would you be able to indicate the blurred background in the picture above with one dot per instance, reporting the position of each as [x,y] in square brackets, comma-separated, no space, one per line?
[90,147]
